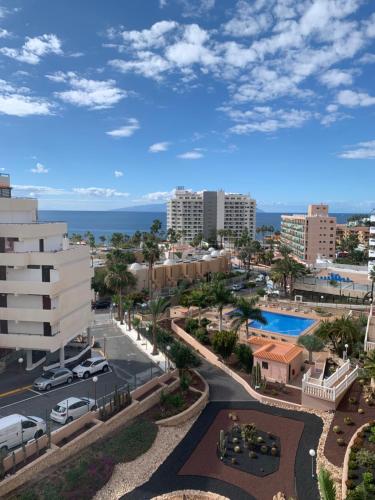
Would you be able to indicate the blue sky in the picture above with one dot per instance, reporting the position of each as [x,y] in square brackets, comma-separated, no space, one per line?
[115,103]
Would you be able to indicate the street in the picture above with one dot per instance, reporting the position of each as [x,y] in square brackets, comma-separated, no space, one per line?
[128,366]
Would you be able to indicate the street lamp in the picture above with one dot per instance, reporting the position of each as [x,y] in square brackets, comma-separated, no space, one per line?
[312,455]
[322,298]
[168,350]
[20,361]
[346,351]
[95,379]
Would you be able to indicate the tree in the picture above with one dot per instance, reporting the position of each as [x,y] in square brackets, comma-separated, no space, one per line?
[247,251]
[311,343]
[90,238]
[76,238]
[219,296]
[372,278]
[246,311]
[98,282]
[221,234]
[128,305]
[155,227]
[103,239]
[339,332]
[156,307]
[183,357]
[326,485]
[151,253]
[117,240]
[369,366]
[136,238]
[224,343]
[119,279]
[197,240]
[245,356]
[196,298]
[137,326]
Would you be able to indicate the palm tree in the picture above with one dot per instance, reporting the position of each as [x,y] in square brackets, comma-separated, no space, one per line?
[198,298]
[246,311]
[103,239]
[221,234]
[219,296]
[369,366]
[156,307]
[128,305]
[119,278]
[155,227]
[151,253]
[311,343]
[372,278]
[326,485]
[117,240]
[137,325]
[90,238]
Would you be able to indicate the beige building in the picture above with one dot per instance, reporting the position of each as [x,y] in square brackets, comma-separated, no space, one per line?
[208,211]
[45,283]
[170,272]
[310,236]
[343,231]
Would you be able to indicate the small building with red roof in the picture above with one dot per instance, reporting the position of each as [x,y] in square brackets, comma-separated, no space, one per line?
[279,361]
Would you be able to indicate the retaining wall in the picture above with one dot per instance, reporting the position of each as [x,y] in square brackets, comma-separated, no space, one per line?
[345,467]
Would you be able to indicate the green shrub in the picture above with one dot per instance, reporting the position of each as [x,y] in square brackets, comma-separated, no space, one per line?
[352,465]
[336,429]
[252,454]
[224,343]
[191,324]
[205,322]
[201,335]
[245,356]
[340,441]
[350,484]
[264,449]
[348,421]
[352,400]
[365,458]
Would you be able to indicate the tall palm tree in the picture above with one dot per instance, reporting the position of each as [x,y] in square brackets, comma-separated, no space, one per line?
[311,343]
[326,485]
[198,298]
[372,278]
[219,296]
[128,305]
[119,278]
[137,325]
[151,253]
[245,311]
[156,307]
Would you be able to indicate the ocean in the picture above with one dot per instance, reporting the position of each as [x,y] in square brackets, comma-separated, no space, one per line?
[105,223]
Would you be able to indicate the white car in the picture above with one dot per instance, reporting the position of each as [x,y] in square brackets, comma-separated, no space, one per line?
[69,409]
[91,366]
[259,279]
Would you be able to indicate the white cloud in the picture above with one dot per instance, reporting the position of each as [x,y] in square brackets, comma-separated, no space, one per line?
[158,147]
[246,21]
[127,130]
[191,49]
[34,49]
[16,101]
[355,99]
[39,169]
[367,58]
[362,151]
[265,119]
[336,77]
[38,190]
[153,37]
[148,64]
[100,192]
[158,196]
[83,92]
[195,154]
[4,33]
[118,173]
[196,8]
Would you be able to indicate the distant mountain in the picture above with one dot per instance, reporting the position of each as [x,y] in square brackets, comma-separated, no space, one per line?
[153,207]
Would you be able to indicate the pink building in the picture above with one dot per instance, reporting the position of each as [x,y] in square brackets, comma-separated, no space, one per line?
[279,361]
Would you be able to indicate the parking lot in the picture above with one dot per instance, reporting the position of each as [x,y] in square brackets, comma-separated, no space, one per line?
[128,366]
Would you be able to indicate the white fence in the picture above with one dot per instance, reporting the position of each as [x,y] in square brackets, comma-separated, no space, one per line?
[369,345]
[325,389]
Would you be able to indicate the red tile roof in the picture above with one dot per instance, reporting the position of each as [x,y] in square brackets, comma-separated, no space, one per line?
[275,350]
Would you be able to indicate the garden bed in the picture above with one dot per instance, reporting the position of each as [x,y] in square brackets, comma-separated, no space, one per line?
[148,393]
[83,476]
[64,441]
[172,404]
[347,408]
[280,391]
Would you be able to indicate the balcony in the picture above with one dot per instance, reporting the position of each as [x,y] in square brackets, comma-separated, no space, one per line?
[29,314]
[32,230]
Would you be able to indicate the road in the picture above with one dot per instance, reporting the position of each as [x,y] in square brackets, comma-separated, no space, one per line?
[128,365]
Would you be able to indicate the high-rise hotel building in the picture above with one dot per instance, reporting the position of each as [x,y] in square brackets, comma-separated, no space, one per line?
[208,211]
[371,248]
[45,283]
[310,236]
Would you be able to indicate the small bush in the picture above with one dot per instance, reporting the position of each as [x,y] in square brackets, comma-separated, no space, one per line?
[361,411]
[201,335]
[273,451]
[352,475]
[264,449]
[252,454]
[348,421]
[259,439]
[191,325]
[336,429]
[237,449]
[340,441]
[350,484]
[352,465]
[234,460]
[352,400]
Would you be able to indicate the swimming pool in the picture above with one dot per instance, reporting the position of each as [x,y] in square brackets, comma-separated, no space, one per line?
[285,324]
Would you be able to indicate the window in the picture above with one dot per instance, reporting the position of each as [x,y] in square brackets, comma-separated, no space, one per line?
[265,365]
[26,424]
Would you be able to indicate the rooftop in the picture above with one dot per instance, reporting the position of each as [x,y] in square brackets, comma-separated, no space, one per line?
[274,350]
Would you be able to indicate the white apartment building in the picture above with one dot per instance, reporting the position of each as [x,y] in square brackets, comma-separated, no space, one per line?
[371,250]
[45,283]
[208,211]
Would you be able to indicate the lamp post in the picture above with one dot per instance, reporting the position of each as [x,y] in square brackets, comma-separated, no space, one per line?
[312,455]
[95,379]
[168,351]
[20,361]
[346,352]
[322,298]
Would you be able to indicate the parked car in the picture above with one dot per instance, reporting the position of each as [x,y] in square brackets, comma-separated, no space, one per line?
[17,429]
[53,377]
[90,366]
[236,287]
[260,278]
[102,304]
[69,409]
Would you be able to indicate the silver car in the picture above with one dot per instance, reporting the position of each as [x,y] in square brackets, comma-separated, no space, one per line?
[51,378]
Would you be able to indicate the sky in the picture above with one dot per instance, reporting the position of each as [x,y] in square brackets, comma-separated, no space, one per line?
[112,104]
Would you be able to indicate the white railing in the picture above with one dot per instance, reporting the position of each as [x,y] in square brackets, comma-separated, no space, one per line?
[369,345]
[329,393]
[330,381]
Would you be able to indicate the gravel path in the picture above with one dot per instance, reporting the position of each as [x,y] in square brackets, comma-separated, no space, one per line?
[130,475]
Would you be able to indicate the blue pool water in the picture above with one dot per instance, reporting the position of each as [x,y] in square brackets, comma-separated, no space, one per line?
[285,324]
